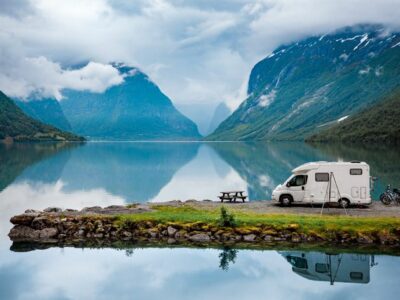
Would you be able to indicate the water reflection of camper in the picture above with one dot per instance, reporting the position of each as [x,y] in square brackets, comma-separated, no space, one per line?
[317,266]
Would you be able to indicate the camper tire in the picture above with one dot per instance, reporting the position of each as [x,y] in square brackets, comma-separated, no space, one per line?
[344,203]
[286,200]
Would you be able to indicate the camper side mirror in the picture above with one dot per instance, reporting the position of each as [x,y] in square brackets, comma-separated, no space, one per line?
[288,184]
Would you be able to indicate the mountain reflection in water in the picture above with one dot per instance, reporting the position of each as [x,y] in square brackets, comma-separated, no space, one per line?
[140,172]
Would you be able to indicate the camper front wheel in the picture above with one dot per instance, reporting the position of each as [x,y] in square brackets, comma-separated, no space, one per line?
[345,203]
[286,200]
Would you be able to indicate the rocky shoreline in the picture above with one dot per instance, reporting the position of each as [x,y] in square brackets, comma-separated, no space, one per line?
[100,226]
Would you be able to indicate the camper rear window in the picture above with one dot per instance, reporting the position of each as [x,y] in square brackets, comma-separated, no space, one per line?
[355,171]
[321,176]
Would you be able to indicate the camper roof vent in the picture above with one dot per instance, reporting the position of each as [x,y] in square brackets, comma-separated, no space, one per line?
[355,161]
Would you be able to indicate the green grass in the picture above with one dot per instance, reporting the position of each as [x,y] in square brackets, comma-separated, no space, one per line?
[187,214]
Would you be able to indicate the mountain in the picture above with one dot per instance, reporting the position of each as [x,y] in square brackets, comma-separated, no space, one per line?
[133,110]
[221,112]
[380,123]
[18,126]
[47,111]
[306,84]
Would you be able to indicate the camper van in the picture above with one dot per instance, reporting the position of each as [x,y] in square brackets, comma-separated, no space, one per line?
[344,183]
[350,268]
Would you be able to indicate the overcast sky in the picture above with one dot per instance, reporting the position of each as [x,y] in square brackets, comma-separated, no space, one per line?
[199,52]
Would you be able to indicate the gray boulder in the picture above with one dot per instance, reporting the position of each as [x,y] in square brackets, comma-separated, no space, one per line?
[200,237]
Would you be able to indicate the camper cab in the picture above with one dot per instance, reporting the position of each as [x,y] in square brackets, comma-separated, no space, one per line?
[351,268]
[345,183]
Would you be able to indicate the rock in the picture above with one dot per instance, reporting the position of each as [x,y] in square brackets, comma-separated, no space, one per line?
[30,211]
[81,232]
[48,233]
[53,209]
[171,231]
[153,234]
[249,237]
[24,219]
[365,240]
[200,237]
[115,207]
[23,233]
[268,238]
[40,222]
[296,238]
[171,241]
[98,235]
[92,209]
[126,234]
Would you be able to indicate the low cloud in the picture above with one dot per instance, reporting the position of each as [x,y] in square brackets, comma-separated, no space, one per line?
[198,52]
[41,78]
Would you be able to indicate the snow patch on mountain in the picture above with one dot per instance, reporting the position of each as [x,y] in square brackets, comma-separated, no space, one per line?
[365,71]
[344,57]
[363,39]
[342,119]
[266,100]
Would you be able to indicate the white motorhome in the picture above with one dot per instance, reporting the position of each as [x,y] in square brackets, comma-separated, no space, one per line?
[351,268]
[344,183]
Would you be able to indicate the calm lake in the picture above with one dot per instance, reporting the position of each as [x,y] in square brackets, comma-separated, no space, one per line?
[75,176]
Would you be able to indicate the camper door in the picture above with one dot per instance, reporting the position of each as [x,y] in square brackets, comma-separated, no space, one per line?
[296,186]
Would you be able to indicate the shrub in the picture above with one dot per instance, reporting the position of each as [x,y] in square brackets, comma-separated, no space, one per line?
[226,219]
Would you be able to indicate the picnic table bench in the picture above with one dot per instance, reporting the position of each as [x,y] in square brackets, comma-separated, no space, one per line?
[232,196]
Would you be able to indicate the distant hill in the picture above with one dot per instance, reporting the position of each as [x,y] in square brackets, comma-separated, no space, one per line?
[221,112]
[133,110]
[308,83]
[379,123]
[47,111]
[15,124]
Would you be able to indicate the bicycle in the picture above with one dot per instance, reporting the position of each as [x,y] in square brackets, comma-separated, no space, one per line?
[390,196]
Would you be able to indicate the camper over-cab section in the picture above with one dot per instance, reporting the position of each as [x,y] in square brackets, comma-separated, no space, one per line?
[344,183]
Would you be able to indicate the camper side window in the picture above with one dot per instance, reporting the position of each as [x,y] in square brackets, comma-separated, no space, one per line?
[320,177]
[355,171]
[298,180]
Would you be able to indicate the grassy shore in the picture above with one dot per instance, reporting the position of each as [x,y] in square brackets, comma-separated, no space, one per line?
[246,221]
[207,225]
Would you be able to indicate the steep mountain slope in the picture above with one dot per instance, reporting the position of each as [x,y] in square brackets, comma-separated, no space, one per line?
[47,111]
[15,124]
[133,110]
[309,83]
[379,123]
[220,114]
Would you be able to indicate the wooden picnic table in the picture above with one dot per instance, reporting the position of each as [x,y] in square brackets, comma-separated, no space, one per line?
[232,196]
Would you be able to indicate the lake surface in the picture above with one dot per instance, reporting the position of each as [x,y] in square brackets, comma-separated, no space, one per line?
[75,176]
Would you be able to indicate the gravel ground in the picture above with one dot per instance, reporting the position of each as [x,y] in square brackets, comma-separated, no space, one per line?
[376,209]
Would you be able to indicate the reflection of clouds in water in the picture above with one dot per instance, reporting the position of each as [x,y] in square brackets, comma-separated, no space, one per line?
[266,181]
[177,273]
[200,180]
[16,198]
